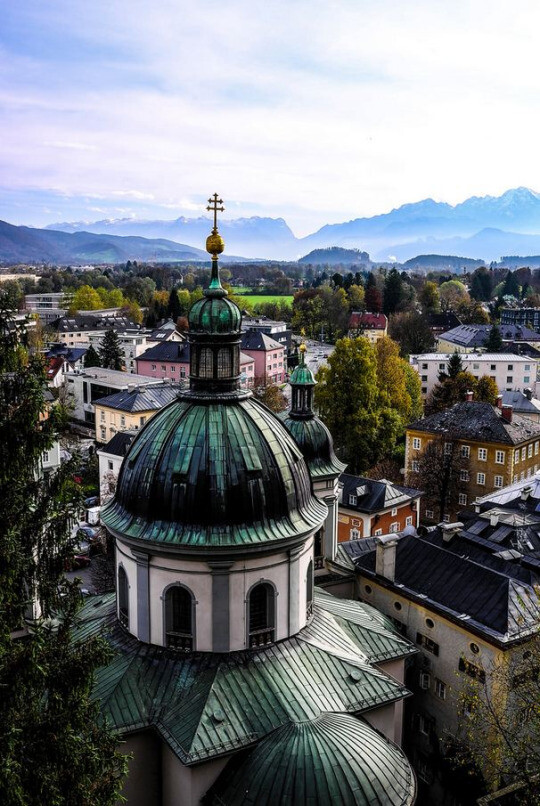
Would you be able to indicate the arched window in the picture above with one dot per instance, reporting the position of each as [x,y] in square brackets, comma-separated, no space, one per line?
[309,590]
[319,559]
[179,618]
[224,363]
[206,363]
[261,616]
[123,597]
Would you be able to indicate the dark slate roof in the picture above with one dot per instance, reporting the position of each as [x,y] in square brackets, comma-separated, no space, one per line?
[520,402]
[480,422]
[145,398]
[327,667]
[256,340]
[119,444]
[476,335]
[372,496]
[69,354]
[495,602]
[334,758]
[67,324]
[170,351]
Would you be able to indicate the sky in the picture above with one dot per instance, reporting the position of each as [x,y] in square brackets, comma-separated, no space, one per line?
[316,111]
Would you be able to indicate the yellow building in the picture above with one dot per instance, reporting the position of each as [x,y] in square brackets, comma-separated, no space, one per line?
[131,408]
[467,451]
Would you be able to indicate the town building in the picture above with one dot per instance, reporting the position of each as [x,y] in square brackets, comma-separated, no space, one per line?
[170,359]
[368,507]
[528,317]
[165,332]
[231,675]
[268,355]
[82,330]
[373,326]
[523,403]
[279,331]
[495,447]
[60,359]
[509,371]
[48,306]
[471,338]
[468,607]
[110,458]
[86,386]
[131,408]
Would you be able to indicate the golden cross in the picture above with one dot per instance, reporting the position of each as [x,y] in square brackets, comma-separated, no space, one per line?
[215,204]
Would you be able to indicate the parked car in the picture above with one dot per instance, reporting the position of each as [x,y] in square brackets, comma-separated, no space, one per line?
[86,532]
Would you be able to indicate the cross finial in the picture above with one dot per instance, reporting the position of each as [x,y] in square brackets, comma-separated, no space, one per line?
[215,204]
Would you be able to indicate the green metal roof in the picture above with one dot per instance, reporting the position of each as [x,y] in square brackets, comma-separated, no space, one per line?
[214,475]
[315,442]
[214,315]
[332,759]
[207,704]
[302,376]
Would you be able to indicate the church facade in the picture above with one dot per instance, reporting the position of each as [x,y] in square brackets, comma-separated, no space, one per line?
[234,680]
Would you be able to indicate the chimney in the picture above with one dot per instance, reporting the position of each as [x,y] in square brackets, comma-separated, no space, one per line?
[494,519]
[525,492]
[449,530]
[528,393]
[506,413]
[469,396]
[132,387]
[499,401]
[385,560]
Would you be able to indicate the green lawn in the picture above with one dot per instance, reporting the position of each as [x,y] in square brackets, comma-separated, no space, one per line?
[255,299]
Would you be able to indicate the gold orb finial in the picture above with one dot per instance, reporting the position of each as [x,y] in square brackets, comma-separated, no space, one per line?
[215,243]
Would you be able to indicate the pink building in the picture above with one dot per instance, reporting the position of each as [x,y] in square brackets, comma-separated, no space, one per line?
[269,356]
[171,360]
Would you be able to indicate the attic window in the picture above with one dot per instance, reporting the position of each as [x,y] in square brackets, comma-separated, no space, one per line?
[352,500]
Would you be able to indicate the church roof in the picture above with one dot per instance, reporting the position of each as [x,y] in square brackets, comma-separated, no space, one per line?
[315,442]
[334,758]
[206,705]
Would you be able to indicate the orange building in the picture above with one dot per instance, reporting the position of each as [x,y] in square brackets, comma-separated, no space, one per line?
[368,507]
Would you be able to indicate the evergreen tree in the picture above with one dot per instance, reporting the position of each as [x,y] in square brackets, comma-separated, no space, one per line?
[53,747]
[455,365]
[481,284]
[494,342]
[174,309]
[373,299]
[92,359]
[511,285]
[393,291]
[110,352]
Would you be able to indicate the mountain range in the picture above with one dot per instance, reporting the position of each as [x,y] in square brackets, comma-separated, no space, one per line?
[482,228]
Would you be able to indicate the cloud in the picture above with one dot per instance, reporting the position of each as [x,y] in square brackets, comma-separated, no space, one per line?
[73,146]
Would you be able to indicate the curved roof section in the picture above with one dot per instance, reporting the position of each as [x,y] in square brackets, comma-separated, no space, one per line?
[327,667]
[315,441]
[214,315]
[214,474]
[335,758]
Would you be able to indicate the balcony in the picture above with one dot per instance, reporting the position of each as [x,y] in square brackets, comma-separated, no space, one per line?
[181,642]
[259,638]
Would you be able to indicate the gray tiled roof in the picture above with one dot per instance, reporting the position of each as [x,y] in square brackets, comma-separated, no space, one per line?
[170,351]
[255,340]
[372,495]
[119,444]
[476,335]
[480,422]
[520,402]
[147,398]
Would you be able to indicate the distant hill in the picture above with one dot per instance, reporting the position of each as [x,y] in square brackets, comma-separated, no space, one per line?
[335,255]
[442,262]
[27,245]
[516,262]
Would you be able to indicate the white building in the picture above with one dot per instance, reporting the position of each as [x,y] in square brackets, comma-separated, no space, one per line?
[509,371]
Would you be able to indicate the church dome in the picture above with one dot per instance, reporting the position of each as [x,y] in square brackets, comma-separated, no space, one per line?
[315,441]
[214,474]
[335,758]
[214,315]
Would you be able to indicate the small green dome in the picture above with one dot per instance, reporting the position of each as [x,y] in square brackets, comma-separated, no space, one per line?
[302,375]
[333,759]
[316,443]
[213,474]
[214,315]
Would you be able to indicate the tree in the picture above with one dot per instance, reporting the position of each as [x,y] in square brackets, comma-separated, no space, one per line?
[429,297]
[452,293]
[356,296]
[472,313]
[494,341]
[54,748]
[499,722]
[391,377]
[174,309]
[110,352]
[412,333]
[450,390]
[91,358]
[481,284]
[373,299]
[393,292]
[486,390]
[85,298]
[438,473]
[363,424]
[132,310]
[511,286]
[455,365]
[270,394]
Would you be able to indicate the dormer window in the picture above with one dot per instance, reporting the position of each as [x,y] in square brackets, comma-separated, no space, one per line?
[352,500]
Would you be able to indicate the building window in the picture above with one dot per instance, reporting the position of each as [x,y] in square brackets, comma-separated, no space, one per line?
[123,420]
[447,448]
[103,432]
[408,521]
[446,518]
[523,453]
[427,643]
[429,513]
[440,689]
[123,597]
[394,527]
[394,512]
[110,465]
[510,367]
[526,379]
[261,615]
[535,448]
[492,367]
[509,379]
[424,366]
[530,450]
[516,455]
[498,481]
[464,475]
[473,671]
[426,724]
[415,466]
[352,500]
[172,368]
[462,499]
[142,420]
[416,443]
[153,366]
[425,680]
[424,379]
[465,451]
[500,456]
[102,416]
[527,367]
[179,618]
[377,532]
[354,534]
[482,454]
[481,478]
[309,590]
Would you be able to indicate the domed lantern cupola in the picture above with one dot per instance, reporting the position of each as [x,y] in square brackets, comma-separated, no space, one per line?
[214,328]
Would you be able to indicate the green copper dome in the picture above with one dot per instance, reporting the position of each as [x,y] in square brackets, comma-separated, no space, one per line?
[315,441]
[214,315]
[335,759]
[302,375]
[213,474]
